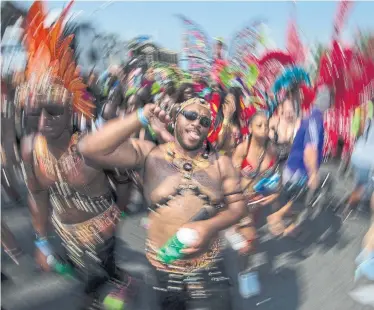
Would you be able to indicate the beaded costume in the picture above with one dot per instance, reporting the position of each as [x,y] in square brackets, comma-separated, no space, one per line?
[53,76]
[196,279]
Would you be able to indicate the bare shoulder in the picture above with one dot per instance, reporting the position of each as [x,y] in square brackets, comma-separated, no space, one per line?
[241,149]
[226,167]
[143,146]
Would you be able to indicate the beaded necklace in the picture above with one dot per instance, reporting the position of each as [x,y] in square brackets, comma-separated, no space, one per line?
[184,163]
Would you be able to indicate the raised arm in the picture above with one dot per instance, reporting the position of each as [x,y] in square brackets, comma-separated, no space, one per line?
[111,146]
[239,155]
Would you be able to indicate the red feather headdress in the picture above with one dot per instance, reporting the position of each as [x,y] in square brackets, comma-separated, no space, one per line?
[50,60]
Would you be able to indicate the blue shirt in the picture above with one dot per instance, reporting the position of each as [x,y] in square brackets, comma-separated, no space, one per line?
[311,132]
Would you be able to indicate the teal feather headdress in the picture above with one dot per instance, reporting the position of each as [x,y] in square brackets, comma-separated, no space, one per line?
[289,78]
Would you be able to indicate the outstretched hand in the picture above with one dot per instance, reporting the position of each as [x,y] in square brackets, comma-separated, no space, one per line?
[158,119]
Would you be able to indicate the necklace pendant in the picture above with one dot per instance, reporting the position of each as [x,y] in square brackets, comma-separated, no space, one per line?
[187,167]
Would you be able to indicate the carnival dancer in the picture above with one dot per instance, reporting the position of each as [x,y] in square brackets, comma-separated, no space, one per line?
[84,213]
[181,179]
[257,163]
[185,92]
[289,89]
[283,128]
[226,132]
[302,164]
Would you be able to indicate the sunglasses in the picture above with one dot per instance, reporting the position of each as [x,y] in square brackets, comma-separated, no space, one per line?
[204,121]
[52,110]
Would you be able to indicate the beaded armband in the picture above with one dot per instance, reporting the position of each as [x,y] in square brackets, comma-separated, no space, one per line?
[152,132]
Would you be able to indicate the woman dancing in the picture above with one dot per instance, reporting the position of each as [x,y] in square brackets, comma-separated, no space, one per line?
[226,133]
[257,164]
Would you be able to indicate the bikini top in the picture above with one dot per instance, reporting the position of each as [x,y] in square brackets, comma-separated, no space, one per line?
[261,182]
[248,167]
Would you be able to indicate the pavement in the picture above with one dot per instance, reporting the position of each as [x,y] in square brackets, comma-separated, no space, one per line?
[313,272]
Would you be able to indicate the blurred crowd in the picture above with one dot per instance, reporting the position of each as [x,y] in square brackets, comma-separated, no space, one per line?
[208,149]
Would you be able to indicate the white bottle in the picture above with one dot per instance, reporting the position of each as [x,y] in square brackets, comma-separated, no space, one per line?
[187,236]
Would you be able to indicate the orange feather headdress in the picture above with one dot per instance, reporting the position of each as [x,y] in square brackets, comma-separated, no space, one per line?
[51,62]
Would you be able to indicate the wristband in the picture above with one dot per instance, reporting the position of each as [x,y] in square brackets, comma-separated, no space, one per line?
[226,122]
[152,132]
[44,247]
[141,117]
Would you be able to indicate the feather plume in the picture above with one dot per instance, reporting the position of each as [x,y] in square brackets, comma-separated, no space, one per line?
[50,54]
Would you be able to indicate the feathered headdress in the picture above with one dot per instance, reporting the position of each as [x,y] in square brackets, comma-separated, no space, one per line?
[51,60]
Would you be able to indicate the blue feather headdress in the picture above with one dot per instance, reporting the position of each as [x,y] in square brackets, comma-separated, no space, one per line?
[290,78]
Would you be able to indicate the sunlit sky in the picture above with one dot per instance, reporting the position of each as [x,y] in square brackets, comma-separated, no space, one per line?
[158,19]
[217,19]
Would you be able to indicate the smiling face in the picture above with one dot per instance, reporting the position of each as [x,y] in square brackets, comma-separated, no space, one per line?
[260,127]
[192,127]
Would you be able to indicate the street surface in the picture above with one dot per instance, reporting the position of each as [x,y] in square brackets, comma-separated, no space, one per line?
[313,272]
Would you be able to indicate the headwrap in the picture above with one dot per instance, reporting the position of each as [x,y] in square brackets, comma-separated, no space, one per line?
[199,101]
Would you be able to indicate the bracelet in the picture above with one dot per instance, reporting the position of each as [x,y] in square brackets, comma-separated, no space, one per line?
[44,247]
[226,122]
[152,132]
[142,119]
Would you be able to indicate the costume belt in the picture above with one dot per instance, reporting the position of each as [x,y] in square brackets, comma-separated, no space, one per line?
[88,233]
